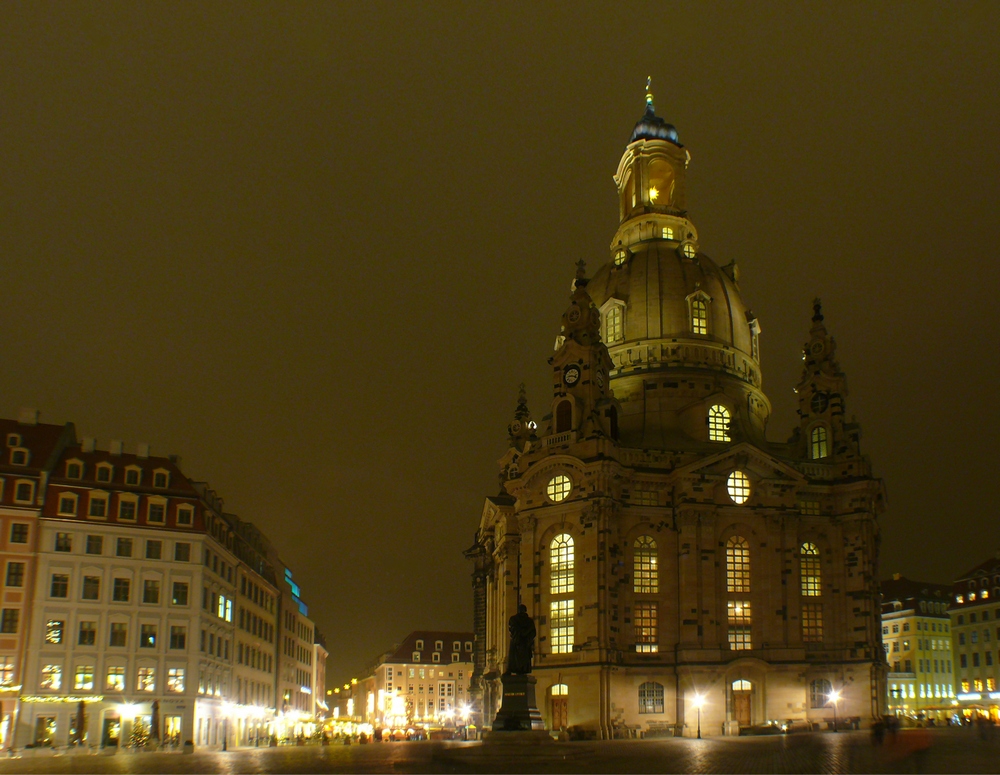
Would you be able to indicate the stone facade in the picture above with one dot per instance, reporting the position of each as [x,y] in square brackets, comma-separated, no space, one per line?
[670,555]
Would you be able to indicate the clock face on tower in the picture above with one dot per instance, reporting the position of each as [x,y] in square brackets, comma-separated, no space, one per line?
[572,375]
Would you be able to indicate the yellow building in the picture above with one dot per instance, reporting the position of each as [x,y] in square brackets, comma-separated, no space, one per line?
[916,637]
[678,565]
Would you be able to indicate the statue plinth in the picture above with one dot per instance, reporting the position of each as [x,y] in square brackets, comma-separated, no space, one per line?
[518,710]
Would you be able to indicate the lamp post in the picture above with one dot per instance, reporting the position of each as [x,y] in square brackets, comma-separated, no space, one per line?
[834,697]
[699,700]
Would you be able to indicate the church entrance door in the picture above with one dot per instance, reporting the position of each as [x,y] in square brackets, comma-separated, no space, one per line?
[741,707]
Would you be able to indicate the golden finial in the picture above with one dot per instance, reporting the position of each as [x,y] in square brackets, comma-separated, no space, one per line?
[649,93]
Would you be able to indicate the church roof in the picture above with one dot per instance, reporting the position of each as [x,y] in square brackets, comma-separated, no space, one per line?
[652,127]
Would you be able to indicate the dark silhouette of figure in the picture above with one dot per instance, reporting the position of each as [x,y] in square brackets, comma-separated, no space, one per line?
[522,642]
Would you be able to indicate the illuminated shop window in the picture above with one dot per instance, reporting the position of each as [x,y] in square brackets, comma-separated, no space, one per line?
[718,423]
[737,565]
[561,626]
[644,619]
[812,622]
[559,487]
[818,447]
[809,568]
[739,624]
[561,553]
[175,679]
[146,679]
[738,486]
[645,566]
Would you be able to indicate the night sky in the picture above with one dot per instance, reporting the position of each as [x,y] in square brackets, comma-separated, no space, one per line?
[314,248]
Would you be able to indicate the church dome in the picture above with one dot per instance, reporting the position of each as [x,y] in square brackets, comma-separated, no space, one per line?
[658,283]
[652,127]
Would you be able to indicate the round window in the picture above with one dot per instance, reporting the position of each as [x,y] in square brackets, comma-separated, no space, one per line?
[738,486]
[559,487]
[621,256]
[688,250]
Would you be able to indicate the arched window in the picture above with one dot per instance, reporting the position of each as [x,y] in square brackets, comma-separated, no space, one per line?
[818,448]
[645,567]
[651,697]
[613,324]
[819,693]
[562,564]
[737,565]
[699,316]
[559,690]
[718,423]
[564,416]
[809,570]
[742,685]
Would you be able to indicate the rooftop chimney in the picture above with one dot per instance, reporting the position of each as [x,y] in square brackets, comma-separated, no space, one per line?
[175,459]
[142,450]
[115,447]
[87,444]
[28,417]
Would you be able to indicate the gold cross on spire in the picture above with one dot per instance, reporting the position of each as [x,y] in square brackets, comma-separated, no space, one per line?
[649,92]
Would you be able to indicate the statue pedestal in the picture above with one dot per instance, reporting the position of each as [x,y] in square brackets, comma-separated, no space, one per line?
[518,710]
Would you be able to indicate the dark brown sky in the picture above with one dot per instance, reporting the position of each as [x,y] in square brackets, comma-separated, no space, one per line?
[313,248]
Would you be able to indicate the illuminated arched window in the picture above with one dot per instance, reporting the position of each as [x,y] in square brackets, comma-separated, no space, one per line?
[646,573]
[699,316]
[718,423]
[742,685]
[562,564]
[560,690]
[613,324]
[818,448]
[737,565]
[809,570]
[738,487]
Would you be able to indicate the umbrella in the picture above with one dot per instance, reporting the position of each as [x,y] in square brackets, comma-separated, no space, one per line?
[154,722]
[81,720]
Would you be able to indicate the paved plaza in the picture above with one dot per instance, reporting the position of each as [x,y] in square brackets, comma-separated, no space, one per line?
[950,750]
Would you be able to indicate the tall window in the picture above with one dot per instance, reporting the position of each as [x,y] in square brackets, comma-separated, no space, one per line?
[739,624]
[818,448]
[812,622]
[699,316]
[644,620]
[613,324]
[809,570]
[562,626]
[562,564]
[651,697]
[819,693]
[564,416]
[718,423]
[737,565]
[646,574]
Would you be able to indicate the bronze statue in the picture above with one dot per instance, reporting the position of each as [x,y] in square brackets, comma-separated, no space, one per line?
[522,642]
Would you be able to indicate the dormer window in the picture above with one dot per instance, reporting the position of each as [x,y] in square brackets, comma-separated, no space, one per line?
[133,475]
[438,645]
[24,492]
[98,505]
[13,439]
[185,516]
[613,315]
[420,645]
[67,504]
[416,656]
[19,457]
[160,478]
[74,469]
[698,312]
[104,473]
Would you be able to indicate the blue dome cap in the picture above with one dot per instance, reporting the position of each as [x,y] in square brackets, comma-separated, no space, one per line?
[651,126]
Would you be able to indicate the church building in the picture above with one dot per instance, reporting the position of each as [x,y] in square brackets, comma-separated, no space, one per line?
[684,573]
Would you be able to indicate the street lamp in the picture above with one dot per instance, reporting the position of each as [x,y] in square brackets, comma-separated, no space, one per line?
[699,700]
[834,697]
